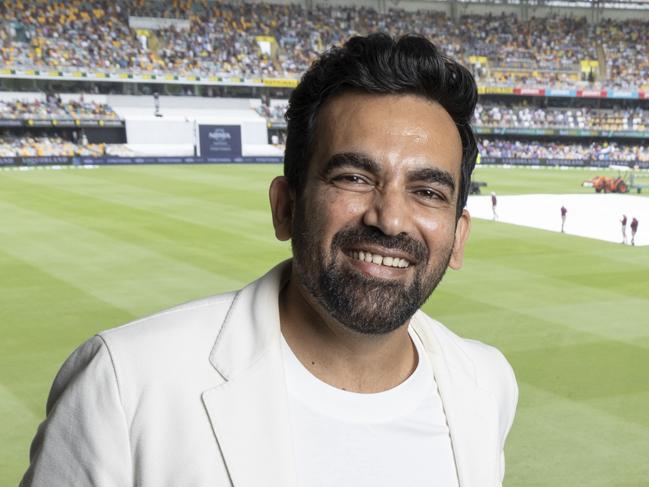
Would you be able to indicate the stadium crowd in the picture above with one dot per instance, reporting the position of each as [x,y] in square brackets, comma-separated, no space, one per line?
[600,151]
[487,115]
[625,48]
[246,39]
[28,146]
[55,109]
[223,38]
[522,116]
[272,113]
[41,146]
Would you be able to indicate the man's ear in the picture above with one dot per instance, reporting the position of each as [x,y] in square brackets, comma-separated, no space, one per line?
[462,230]
[282,203]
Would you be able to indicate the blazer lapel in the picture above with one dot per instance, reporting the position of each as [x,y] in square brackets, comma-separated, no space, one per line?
[249,415]
[249,410]
[470,411]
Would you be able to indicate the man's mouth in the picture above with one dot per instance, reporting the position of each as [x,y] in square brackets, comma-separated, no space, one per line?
[384,260]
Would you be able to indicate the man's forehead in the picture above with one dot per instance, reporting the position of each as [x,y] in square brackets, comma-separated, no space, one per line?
[358,103]
[388,127]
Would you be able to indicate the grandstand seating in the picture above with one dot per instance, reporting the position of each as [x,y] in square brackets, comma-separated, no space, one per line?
[222,38]
[594,151]
[491,114]
[31,146]
[257,40]
[521,116]
[486,115]
[55,109]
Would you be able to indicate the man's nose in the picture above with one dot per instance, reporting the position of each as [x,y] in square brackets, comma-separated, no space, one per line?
[388,212]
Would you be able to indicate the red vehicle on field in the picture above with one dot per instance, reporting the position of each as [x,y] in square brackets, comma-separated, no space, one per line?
[607,184]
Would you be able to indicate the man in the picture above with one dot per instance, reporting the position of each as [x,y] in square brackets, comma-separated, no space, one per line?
[156,104]
[323,372]
[623,222]
[634,229]
[564,212]
[494,204]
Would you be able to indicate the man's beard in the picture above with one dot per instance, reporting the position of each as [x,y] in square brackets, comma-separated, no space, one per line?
[362,303]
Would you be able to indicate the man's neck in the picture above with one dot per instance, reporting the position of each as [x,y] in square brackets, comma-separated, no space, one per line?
[339,356]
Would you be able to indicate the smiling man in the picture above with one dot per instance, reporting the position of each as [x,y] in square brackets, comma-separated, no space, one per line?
[323,372]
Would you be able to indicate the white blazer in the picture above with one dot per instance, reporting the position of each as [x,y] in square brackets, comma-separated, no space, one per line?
[196,396]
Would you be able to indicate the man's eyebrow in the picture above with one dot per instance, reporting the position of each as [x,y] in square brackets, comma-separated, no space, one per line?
[351,159]
[366,163]
[433,175]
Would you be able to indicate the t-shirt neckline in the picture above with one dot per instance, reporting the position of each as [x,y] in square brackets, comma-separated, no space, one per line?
[357,407]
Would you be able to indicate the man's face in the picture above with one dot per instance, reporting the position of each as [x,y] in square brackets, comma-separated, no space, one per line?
[375,227]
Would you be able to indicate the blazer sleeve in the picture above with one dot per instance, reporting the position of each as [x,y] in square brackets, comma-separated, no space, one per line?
[497,376]
[84,439]
[508,403]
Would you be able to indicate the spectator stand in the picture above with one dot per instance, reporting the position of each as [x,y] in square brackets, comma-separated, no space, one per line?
[226,44]
[558,81]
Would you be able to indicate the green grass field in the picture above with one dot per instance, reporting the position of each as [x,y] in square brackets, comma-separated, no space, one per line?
[84,250]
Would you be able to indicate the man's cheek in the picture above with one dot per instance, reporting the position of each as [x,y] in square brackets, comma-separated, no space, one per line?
[339,203]
[433,225]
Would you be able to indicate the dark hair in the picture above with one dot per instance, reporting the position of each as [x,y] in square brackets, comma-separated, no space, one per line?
[380,64]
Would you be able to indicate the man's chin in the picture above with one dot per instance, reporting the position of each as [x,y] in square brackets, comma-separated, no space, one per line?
[373,324]
[367,304]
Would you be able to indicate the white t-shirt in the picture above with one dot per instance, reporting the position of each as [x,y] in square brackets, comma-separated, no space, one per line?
[398,437]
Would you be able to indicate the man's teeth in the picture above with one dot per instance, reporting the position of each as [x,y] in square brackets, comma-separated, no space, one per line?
[380,260]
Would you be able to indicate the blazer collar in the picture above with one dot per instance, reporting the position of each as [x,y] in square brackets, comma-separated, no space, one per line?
[249,410]
[251,325]
[470,410]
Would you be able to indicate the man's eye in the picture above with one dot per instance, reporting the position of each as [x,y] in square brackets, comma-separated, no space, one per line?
[429,194]
[353,182]
[351,178]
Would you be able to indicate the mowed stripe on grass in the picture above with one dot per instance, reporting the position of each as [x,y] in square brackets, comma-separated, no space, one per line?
[85,250]
[571,315]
